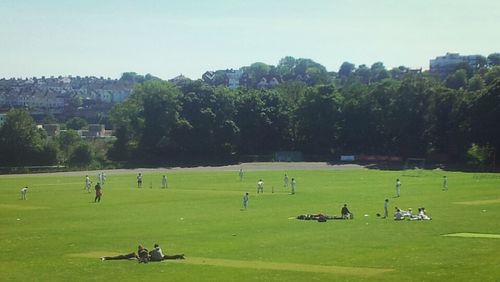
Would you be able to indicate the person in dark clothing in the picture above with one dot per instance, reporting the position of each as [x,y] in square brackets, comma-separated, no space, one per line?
[346,214]
[127,256]
[98,193]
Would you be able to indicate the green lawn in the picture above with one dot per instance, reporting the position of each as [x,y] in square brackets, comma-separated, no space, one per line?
[58,233]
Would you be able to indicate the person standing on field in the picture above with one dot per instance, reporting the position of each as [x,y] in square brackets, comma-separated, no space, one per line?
[164,182]
[24,191]
[245,200]
[260,186]
[88,183]
[139,180]
[398,187]
[386,208]
[241,174]
[98,193]
[285,181]
[445,183]
[293,185]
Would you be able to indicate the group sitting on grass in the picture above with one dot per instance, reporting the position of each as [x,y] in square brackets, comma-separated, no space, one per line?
[402,214]
[143,256]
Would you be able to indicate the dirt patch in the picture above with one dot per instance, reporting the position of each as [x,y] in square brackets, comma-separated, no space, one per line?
[479,202]
[357,271]
[344,270]
[473,235]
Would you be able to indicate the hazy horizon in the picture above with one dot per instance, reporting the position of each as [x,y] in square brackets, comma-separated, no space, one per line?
[168,38]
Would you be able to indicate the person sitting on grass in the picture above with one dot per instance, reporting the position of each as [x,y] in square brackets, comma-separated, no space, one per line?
[346,214]
[398,215]
[157,254]
[143,254]
[422,214]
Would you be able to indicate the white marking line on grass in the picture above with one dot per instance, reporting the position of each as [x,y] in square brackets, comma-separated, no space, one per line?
[359,271]
[473,235]
[20,207]
[479,202]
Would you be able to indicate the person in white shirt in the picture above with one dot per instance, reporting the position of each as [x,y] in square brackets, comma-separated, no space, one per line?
[24,191]
[398,187]
[260,186]
[139,180]
[285,181]
[245,200]
[386,208]
[241,174]
[88,183]
[164,182]
[445,183]
[294,185]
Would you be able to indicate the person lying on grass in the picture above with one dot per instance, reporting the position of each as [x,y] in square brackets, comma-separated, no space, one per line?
[144,256]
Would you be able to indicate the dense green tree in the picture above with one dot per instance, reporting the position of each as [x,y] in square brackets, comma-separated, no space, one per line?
[81,156]
[346,69]
[457,80]
[494,59]
[20,140]
[319,120]
[76,123]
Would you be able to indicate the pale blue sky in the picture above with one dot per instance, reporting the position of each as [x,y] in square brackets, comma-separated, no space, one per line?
[167,38]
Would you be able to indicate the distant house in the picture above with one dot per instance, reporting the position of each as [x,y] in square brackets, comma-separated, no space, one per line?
[178,79]
[233,78]
[96,130]
[444,65]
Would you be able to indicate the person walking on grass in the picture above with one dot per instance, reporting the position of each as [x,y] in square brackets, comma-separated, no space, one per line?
[24,191]
[260,186]
[88,183]
[386,208]
[285,181]
[139,180]
[293,185]
[398,187]
[245,200]
[164,182]
[445,183]
[98,193]
[241,174]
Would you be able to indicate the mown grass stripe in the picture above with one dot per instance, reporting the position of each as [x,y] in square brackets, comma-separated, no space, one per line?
[473,235]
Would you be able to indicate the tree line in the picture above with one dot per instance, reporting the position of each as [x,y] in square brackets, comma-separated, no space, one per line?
[357,110]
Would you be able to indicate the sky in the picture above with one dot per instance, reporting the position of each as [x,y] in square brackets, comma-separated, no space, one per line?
[188,37]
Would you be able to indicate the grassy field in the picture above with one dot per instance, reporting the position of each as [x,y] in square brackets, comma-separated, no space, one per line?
[59,234]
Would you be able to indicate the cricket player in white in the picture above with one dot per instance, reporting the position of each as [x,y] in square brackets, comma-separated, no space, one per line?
[293,184]
[245,200]
[386,207]
[164,182]
[241,174]
[24,191]
[398,187]
[445,183]
[88,183]
[260,186]
[285,181]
